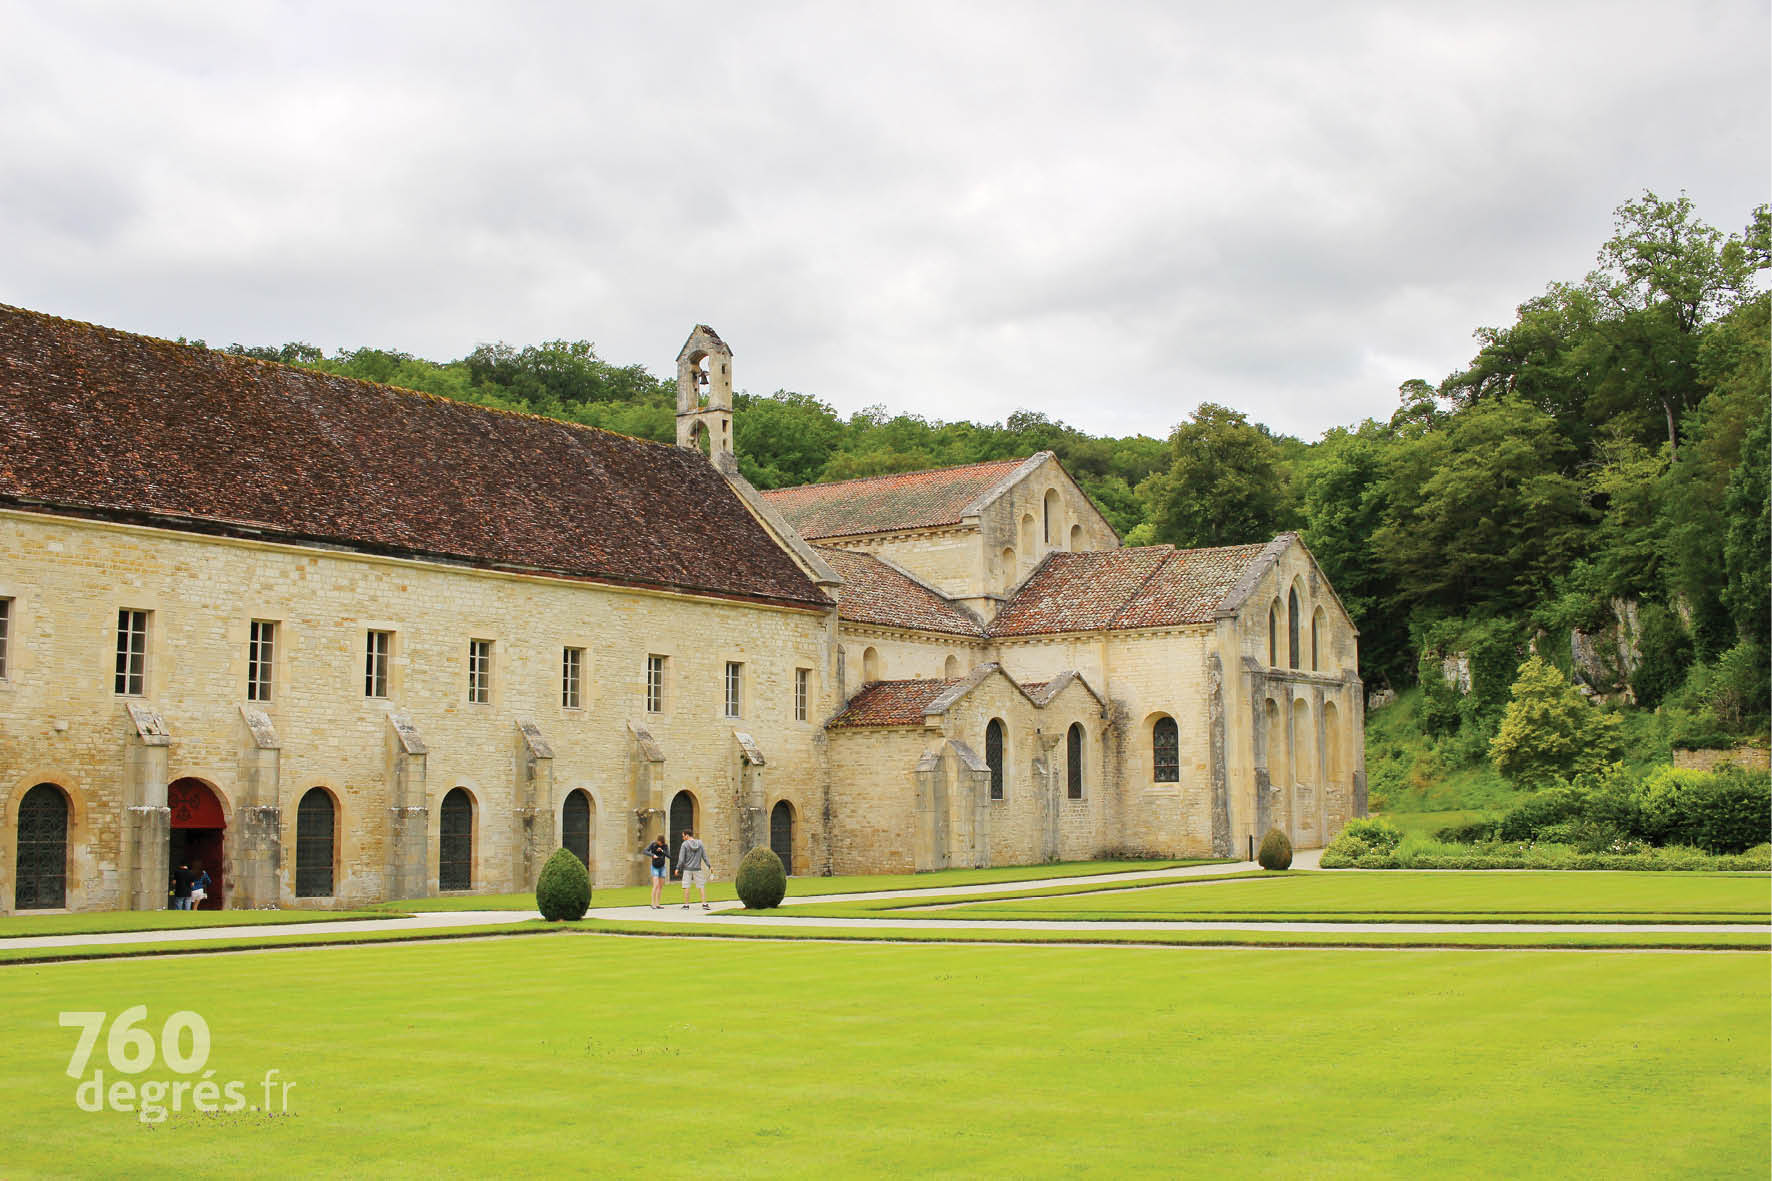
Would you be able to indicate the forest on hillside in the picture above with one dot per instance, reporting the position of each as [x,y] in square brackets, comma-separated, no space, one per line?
[1599,467]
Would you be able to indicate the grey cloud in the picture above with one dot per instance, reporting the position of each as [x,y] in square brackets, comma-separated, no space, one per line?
[1108,212]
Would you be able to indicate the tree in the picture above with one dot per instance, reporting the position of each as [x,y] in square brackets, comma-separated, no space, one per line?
[1224,485]
[784,439]
[1479,514]
[1663,275]
[1747,507]
[1343,507]
[1548,733]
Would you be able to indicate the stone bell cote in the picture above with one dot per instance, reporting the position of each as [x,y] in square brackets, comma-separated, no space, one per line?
[704,396]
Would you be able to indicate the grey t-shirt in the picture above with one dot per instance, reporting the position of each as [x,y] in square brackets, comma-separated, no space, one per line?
[691,856]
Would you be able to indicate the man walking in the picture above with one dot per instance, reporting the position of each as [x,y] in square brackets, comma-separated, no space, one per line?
[692,862]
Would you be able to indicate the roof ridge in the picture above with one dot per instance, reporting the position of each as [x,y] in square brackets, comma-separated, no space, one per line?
[922,471]
[1022,471]
[398,390]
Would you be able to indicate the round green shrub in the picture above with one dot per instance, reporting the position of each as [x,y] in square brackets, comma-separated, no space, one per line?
[1275,851]
[1376,833]
[563,892]
[762,882]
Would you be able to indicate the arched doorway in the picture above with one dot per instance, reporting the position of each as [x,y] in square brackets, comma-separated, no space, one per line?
[314,844]
[41,882]
[781,833]
[455,841]
[199,835]
[682,817]
[575,825]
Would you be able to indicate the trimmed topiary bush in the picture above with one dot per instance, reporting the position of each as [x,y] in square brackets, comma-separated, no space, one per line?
[563,892]
[1275,851]
[762,882]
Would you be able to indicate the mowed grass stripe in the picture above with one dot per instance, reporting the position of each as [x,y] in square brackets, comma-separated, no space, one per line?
[1399,895]
[752,1058]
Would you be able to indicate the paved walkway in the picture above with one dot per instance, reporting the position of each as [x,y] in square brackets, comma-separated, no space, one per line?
[718,916]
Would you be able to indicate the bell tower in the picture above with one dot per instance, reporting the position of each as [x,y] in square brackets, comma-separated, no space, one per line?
[704,397]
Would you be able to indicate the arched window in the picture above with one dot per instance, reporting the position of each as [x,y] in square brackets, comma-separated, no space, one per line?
[575,825]
[1073,762]
[315,824]
[1273,634]
[42,879]
[1076,538]
[870,666]
[993,756]
[1292,628]
[1007,562]
[455,841]
[1026,540]
[1318,631]
[1051,509]
[682,817]
[781,833]
[950,668]
[1165,751]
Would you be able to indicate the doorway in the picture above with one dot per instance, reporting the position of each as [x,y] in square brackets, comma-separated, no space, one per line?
[199,835]
[781,834]
[682,817]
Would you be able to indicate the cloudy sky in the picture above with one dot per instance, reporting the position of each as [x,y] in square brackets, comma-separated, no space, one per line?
[1108,212]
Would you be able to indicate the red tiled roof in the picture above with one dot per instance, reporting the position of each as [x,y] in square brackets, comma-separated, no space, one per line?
[106,423]
[874,592]
[880,504]
[890,703]
[1148,586]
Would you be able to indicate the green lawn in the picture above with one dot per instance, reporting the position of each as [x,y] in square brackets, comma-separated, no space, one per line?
[750,1058]
[721,889]
[99,922]
[1398,895]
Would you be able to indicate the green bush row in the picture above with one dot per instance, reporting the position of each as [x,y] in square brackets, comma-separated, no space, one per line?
[1421,853]
[1724,811]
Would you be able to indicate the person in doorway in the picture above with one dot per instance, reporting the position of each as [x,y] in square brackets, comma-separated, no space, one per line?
[692,863]
[199,888]
[660,853]
[182,881]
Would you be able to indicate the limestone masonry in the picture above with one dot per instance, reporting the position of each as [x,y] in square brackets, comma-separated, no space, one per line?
[332,642]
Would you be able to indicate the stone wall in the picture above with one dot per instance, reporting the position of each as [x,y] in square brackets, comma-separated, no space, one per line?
[1747,757]
[61,722]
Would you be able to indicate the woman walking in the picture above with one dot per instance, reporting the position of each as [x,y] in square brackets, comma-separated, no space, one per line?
[660,852]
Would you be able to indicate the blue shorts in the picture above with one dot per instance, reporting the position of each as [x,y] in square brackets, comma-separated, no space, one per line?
[659,871]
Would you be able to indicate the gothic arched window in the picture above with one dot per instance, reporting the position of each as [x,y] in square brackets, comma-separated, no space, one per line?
[1073,762]
[1165,751]
[993,756]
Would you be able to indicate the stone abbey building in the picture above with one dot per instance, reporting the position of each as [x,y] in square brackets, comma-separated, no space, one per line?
[339,642]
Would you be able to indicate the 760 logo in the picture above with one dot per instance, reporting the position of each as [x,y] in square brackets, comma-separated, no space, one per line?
[130,1050]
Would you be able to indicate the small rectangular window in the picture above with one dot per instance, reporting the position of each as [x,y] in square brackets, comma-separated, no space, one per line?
[132,653]
[571,667]
[802,687]
[261,649]
[734,678]
[479,672]
[655,684]
[376,650]
[5,633]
